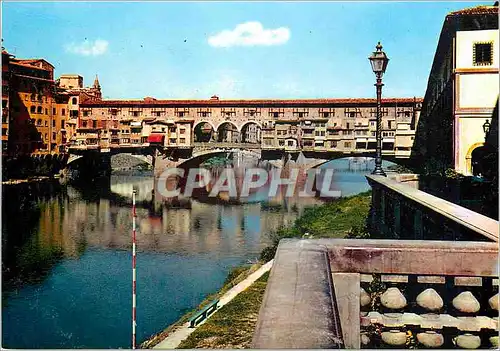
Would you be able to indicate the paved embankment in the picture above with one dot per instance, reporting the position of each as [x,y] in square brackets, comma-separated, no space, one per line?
[174,339]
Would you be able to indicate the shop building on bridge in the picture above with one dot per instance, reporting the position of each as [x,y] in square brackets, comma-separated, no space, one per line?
[300,124]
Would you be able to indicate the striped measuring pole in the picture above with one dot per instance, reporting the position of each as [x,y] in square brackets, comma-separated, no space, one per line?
[134,323]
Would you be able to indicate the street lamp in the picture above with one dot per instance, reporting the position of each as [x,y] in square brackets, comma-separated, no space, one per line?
[486,129]
[379,61]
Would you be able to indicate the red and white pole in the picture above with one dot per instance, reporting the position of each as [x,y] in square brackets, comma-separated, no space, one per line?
[134,324]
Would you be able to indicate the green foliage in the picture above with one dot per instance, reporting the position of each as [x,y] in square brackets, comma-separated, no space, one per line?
[217,161]
[232,327]
[345,217]
[452,174]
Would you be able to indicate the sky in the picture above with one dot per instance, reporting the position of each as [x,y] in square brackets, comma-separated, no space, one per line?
[181,50]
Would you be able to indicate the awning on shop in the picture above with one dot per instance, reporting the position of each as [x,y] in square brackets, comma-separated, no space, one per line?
[156,138]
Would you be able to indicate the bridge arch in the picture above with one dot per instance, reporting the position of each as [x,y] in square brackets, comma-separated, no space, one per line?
[204,155]
[200,132]
[250,132]
[251,122]
[227,131]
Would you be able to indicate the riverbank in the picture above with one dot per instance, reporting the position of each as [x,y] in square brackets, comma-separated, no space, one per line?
[236,276]
[233,325]
[29,180]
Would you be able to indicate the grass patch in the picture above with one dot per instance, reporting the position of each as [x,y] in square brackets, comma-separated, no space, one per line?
[233,325]
[345,217]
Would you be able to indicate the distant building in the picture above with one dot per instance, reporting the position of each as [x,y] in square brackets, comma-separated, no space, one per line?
[39,115]
[462,91]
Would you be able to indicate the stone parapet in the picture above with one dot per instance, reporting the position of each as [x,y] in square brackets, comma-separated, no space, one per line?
[407,294]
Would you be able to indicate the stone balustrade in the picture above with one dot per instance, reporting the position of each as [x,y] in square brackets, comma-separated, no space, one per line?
[404,212]
[385,293]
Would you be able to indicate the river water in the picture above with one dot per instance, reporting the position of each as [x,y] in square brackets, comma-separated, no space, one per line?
[66,261]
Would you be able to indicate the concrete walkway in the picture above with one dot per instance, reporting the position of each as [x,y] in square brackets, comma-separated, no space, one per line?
[174,339]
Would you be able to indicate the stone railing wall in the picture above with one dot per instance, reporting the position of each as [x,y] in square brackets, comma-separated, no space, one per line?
[404,212]
[386,293]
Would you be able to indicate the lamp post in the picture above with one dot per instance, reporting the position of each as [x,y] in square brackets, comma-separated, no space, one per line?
[379,61]
[486,129]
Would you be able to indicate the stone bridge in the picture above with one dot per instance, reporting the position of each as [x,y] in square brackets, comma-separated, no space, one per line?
[187,157]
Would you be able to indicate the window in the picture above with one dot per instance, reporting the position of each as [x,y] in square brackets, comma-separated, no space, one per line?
[53,123]
[33,109]
[173,129]
[326,114]
[281,142]
[94,124]
[39,110]
[63,112]
[182,131]
[483,54]
[45,136]
[62,124]
[85,113]
[84,124]
[301,114]
[204,114]
[290,142]
[54,111]
[347,144]
[276,114]
[181,114]
[54,136]
[172,140]
[135,113]
[182,140]
[46,123]
[157,113]
[39,122]
[334,144]
[74,101]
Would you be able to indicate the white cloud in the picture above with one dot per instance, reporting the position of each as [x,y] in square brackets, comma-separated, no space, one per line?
[250,34]
[89,48]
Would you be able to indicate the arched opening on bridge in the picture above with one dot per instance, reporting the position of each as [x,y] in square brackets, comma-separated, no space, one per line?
[250,133]
[227,132]
[131,162]
[203,132]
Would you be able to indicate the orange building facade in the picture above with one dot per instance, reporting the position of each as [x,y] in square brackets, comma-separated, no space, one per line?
[39,114]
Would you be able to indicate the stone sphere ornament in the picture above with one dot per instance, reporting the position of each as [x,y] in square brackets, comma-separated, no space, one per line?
[365,340]
[430,300]
[493,301]
[393,298]
[466,302]
[430,339]
[364,298]
[468,341]
[394,337]
[494,341]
